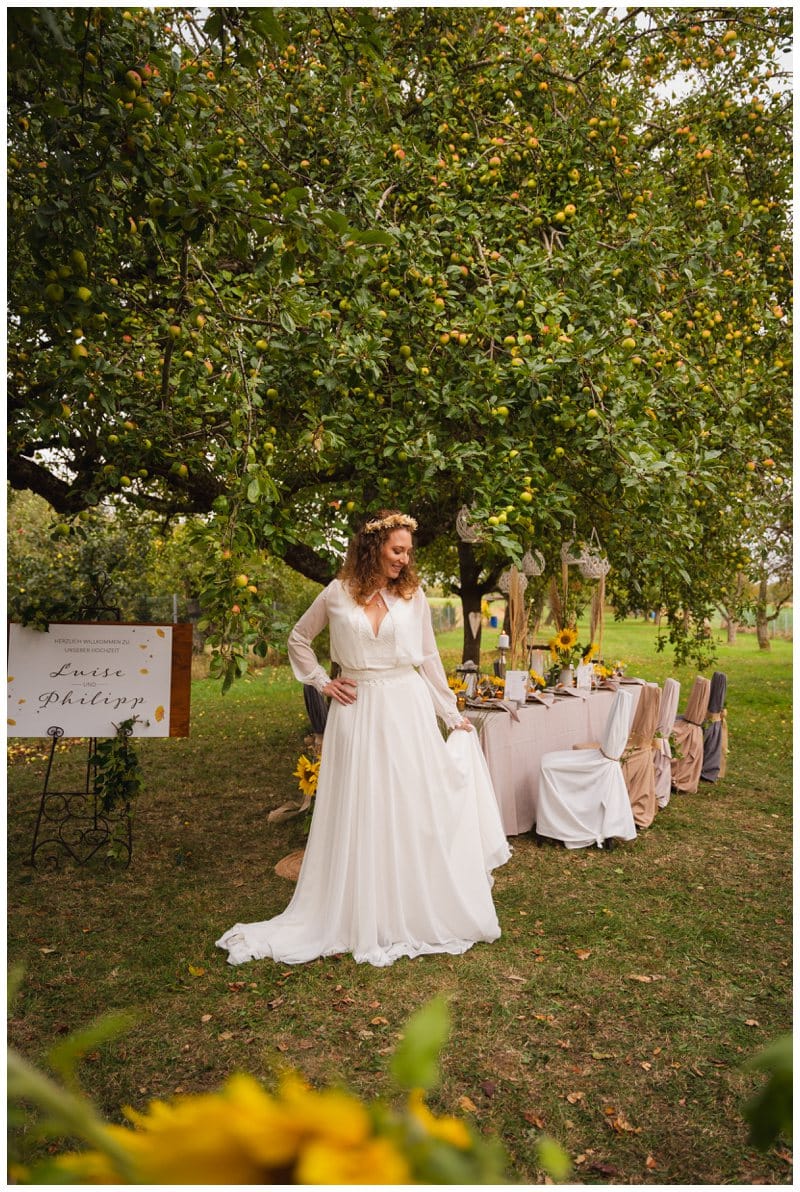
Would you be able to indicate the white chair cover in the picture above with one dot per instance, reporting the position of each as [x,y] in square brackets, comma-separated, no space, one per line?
[662,752]
[582,797]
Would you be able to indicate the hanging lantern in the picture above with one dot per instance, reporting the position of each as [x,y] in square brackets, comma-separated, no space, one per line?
[593,564]
[533,563]
[504,582]
[465,528]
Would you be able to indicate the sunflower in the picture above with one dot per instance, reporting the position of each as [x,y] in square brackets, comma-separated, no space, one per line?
[307,773]
[565,639]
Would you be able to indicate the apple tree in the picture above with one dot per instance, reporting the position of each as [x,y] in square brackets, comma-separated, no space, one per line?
[281,267]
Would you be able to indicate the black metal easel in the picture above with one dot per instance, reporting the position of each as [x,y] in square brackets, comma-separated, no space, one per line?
[75,823]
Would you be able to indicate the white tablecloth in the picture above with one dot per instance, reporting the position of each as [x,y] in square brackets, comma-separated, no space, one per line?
[513,748]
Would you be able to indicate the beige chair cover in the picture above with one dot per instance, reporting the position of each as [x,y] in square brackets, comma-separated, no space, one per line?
[637,762]
[688,734]
[662,752]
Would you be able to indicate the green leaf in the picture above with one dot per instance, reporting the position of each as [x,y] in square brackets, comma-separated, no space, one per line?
[265,21]
[415,1063]
[373,237]
[287,322]
[65,1056]
[552,1157]
[769,1112]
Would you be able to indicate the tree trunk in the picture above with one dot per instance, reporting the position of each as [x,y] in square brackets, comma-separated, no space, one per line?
[471,591]
[762,623]
[730,628]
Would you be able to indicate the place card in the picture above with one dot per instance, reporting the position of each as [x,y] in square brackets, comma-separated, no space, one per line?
[516,687]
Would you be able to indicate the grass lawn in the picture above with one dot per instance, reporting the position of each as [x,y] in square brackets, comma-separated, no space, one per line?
[614,1014]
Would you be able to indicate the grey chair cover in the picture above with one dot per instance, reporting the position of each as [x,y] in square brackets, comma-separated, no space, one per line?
[316,707]
[715,733]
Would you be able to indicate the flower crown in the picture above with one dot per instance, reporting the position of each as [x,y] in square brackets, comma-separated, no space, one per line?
[395,521]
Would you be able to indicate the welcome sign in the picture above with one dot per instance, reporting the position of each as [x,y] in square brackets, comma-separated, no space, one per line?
[87,678]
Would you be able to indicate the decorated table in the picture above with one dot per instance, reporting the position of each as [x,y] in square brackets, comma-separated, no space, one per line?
[514,739]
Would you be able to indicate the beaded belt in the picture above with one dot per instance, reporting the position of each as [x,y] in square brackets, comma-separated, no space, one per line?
[376,677]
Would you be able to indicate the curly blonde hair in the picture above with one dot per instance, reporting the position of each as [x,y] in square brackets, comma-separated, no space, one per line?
[362,571]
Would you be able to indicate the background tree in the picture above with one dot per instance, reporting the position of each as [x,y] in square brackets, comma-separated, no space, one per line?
[285,266]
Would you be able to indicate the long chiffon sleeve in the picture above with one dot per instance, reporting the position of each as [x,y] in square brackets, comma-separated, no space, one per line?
[432,670]
[302,658]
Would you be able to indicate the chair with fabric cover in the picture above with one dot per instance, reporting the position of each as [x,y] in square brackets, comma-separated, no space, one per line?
[715,732]
[317,708]
[637,766]
[688,733]
[582,797]
[662,750]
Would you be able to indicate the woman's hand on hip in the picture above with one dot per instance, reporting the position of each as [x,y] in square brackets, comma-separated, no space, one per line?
[342,690]
[465,724]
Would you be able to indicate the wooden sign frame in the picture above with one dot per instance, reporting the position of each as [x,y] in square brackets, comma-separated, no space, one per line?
[180,669]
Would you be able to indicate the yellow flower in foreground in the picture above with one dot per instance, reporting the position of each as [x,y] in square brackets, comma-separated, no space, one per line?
[376,1162]
[243,1135]
[448,1129]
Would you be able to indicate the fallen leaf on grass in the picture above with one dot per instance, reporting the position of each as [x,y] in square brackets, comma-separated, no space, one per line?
[650,1163]
[196,972]
[379,1021]
[467,1105]
[488,1087]
[604,1055]
[620,1125]
[206,1017]
[225,1035]
[235,986]
[603,1169]
[47,951]
[643,977]
[574,1098]
[747,1021]
[514,977]
[533,1119]
[583,953]
[644,1064]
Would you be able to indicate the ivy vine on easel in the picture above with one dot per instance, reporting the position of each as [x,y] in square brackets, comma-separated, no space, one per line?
[117,772]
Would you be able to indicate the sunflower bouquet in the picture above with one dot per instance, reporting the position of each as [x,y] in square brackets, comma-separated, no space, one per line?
[566,651]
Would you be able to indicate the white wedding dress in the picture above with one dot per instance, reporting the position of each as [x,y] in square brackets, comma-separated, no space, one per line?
[406,828]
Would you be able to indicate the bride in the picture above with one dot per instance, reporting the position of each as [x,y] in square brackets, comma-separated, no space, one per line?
[406,829]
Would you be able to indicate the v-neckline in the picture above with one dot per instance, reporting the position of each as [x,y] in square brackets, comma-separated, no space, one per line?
[376,632]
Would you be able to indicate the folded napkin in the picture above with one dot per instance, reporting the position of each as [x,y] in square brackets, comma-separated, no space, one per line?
[494,703]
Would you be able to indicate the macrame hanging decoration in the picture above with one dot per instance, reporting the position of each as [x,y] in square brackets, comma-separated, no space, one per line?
[571,555]
[465,527]
[517,617]
[595,565]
